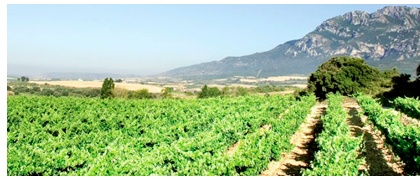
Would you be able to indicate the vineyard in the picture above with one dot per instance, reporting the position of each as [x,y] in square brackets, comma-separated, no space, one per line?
[203,137]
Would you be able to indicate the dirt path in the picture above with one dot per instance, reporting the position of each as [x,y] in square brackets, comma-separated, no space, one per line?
[380,160]
[305,146]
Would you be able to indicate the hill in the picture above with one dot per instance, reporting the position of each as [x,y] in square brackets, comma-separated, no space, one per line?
[386,38]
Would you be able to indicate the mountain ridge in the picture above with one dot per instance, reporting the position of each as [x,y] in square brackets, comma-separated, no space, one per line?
[386,38]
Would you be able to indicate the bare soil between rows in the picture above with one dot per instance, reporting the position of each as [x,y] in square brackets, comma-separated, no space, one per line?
[305,146]
[379,158]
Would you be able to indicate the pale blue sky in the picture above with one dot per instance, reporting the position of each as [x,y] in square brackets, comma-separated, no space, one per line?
[148,39]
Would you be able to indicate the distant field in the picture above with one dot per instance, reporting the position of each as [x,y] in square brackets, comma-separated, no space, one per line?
[98,84]
[285,78]
[232,85]
[273,78]
[300,85]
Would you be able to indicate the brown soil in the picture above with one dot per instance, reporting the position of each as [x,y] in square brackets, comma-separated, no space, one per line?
[265,128]
[231,150]
[305,146]
[380,160]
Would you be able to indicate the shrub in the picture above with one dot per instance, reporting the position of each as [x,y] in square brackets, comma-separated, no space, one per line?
[140,94]
[107,88]
[120,93]
[346,75]
[207,92]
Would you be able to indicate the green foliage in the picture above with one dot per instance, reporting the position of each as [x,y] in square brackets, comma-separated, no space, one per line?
[166,92]
[36,89]
[403,86]
[23,79]
[120,92]
[241,91]
[404,139]
[107,88]
[118,80]
[140,94]
[257,149]
[409,106]
[188,93]
[226,91]
[338,154]
[207,92]
[22,89]
[85,92]
[87,136]
[268,88]
[345,75]
[47,92]
[298,93]
[388,76]
[9,88]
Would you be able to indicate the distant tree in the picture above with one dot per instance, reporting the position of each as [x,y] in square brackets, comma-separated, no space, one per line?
[207,92]
[36,89]
[391,73]
[225,91]
[140,94]
[241,91]
[107,88]
[23,79]
[21,89]
[204,92]
[418,70]
[9,88]
[403,87]
[346,75]
[64,92]
[214,92]
[118,80]
[166,92]
[388,76]
[90,92]
[47,92]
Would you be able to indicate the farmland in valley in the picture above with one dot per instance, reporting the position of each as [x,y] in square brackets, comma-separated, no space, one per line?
[98,84]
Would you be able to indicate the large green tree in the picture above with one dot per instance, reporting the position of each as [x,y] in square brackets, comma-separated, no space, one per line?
[346,75]
[107,88]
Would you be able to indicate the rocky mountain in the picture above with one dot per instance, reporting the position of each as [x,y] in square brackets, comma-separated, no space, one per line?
[387,38]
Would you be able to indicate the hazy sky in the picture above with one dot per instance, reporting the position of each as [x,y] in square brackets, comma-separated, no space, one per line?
[149,39]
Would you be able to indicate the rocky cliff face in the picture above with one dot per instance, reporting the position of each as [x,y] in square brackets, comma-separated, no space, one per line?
[386,38]
[376,36]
